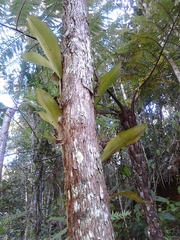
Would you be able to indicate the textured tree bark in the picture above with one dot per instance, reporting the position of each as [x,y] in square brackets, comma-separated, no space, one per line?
[143,183]
[4,135]
[87,201]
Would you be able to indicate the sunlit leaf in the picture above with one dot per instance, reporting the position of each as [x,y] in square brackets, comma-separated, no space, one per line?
[132,195]
[36,59]
[123,139]
[49,118]
[106,81]
[48,42]
[50,105]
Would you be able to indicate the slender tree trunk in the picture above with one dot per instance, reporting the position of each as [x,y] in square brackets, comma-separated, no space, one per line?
[175,68]
[4,135]
[87,201]
[143,185]
[142,180]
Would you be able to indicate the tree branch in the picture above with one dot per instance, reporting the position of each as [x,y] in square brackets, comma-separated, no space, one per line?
[20,13]
[116,100]
[158,59]
[17,30]
[22,114]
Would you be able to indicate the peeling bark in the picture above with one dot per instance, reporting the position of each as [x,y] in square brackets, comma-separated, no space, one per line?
[4,135]
[87,201]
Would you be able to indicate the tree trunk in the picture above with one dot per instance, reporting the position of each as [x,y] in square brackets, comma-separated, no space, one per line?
[143,185]
[175,68]
[4,135]
[142,180]
[87,201]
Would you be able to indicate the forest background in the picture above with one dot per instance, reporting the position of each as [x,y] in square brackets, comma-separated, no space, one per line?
[143,40]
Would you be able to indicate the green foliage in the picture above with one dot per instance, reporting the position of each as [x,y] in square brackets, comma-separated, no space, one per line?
[119,220]
[36,59]
[22,9]
[2,230]
[126,171]
[123,139]
[132,195]
[120,215]
[11,205]
[22,186]
[106,81]
[49,44]
[49,104]
[60,234]
[169,216]
[161,199]
[8,218]
[166,216]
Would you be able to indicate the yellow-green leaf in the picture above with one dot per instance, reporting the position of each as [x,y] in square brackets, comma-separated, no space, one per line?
[123,139]
[106,81]
[50,105]
[132,195]
[48,42]
[48,118]
[49,137]
[36,59]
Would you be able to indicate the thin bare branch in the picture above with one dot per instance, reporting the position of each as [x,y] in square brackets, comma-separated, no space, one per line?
[17,30]
[22,114]
[19,14]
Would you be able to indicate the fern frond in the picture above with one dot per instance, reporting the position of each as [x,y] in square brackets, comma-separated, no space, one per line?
[118,215]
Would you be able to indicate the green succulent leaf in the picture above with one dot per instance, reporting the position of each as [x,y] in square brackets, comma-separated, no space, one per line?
[132,195]
[48,42]
[123,139]
[49,104]
[48,118]
[36,59]
[106,81]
